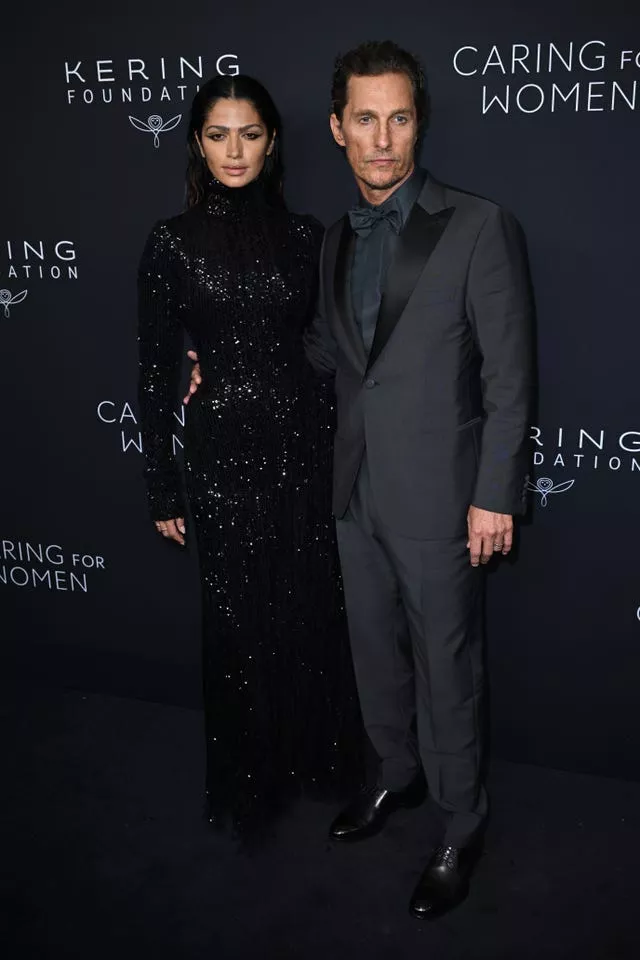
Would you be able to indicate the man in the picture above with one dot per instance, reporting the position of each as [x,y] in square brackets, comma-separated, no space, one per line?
[424,319]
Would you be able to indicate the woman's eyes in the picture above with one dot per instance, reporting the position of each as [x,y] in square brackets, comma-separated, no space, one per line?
[217,137]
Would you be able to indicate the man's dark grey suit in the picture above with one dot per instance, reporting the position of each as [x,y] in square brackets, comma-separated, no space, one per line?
[433,420]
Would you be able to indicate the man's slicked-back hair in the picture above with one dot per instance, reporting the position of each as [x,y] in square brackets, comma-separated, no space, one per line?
[372,59]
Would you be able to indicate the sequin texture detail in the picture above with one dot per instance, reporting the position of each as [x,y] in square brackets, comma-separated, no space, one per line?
[239,276]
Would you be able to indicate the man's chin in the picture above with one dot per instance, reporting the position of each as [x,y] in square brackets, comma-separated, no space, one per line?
[383,179]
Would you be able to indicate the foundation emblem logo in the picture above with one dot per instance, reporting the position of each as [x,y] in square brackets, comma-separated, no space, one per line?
[155,125]
[545,487]
[6,300]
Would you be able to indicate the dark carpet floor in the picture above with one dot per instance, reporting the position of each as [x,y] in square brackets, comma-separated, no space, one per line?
[105,855]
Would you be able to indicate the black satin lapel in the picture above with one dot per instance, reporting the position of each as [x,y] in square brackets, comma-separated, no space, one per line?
[342,290]
[416,243]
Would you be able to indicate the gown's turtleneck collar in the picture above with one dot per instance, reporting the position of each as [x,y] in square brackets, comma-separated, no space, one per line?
[223,201]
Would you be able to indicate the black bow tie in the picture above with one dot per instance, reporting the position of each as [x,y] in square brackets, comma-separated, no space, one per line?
[364,219]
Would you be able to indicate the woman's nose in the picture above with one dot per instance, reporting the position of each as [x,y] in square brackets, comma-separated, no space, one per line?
[234,146]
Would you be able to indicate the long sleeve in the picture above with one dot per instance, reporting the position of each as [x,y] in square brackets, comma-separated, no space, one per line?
[500,307]
[160,339]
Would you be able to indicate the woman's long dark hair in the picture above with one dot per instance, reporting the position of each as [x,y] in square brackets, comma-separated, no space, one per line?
[232,88]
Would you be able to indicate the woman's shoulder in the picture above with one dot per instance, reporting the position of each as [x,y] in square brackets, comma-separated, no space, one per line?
[162,230]
[164,243]
[179,223]
[167,235]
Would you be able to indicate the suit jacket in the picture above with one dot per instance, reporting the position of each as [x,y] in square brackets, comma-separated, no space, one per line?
[442,403]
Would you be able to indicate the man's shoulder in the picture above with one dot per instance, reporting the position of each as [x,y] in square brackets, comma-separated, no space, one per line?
[463,200]
[469,205]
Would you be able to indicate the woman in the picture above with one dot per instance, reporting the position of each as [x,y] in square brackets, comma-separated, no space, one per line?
[237,272]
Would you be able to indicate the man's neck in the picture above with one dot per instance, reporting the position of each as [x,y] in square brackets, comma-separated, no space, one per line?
[376,197]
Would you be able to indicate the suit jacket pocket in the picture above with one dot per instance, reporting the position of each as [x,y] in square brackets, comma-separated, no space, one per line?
[469,423]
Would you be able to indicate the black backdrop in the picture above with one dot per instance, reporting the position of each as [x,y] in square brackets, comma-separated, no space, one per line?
[539,112]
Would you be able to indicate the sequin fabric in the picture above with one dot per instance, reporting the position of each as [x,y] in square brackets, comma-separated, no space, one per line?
[239,275]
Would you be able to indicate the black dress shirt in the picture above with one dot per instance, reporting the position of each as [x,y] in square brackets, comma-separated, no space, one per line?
[374,249]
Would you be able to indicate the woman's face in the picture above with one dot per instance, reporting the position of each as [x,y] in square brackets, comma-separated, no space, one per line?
[234,142]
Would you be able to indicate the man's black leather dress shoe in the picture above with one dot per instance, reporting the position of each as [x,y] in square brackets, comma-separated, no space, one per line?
[445,881]
[368,813]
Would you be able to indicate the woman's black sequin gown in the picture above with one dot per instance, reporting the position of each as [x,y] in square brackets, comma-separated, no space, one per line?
[239,276]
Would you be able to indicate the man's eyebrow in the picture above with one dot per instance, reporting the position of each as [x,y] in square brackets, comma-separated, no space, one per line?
[374,113]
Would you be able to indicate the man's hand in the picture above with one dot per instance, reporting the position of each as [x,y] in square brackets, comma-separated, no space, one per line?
[196,377]
[489,533]
[172,529]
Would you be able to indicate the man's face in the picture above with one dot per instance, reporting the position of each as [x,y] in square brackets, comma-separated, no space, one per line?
[379,129]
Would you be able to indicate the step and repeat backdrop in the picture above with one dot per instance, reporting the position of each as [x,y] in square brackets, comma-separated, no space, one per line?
[535,105]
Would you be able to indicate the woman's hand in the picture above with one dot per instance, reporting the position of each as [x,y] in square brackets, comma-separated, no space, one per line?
[196,378]
[172,529]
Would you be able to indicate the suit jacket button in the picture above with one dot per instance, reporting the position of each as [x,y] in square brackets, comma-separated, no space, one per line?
[370,383]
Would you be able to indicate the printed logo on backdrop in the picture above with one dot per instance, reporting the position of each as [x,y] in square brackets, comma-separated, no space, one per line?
[47,566]
[160,82]
[578,449]
[32,259]
[7,300]
[545,487]
[120,416]
[578,76]
[604,451]
[155,125]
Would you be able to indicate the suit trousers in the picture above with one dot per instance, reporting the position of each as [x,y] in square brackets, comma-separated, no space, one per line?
[415,623]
